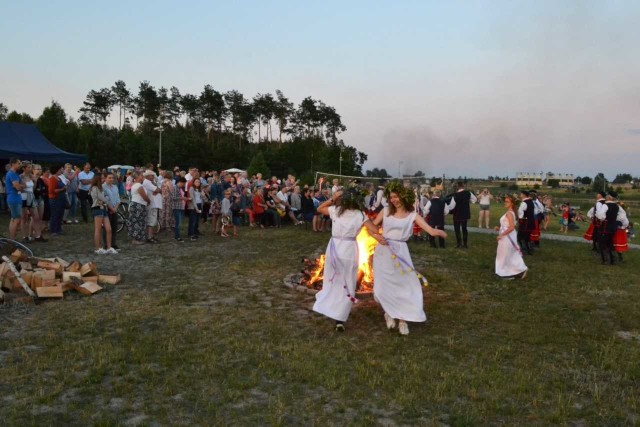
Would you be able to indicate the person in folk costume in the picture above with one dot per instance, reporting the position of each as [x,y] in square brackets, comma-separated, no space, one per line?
[620,243]
[611,217]
[341,261]
[539,217]
[509,262]
[593,232]
[397,284]
[461,214]
[526,222]
[434,212]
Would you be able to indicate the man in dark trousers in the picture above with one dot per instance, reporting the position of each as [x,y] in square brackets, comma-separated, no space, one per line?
[459,205]
[595,222]
[608,215]
[526,222]
[435,211]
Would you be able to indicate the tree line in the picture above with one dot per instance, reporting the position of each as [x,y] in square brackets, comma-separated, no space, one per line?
[212,129]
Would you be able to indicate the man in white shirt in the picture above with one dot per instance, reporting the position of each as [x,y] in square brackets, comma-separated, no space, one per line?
[84,186]
[155,204]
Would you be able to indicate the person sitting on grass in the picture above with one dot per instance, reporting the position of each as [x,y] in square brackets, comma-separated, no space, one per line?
[100,216]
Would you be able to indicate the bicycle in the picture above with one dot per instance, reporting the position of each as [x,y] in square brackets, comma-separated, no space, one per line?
[8,246]
[123,216]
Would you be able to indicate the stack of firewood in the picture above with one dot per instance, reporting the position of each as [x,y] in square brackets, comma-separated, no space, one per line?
[28,278]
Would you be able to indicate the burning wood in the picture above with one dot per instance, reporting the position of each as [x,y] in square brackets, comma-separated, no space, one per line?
[312,271]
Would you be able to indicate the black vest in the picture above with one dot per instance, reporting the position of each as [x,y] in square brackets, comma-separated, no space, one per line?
[611,225]
[528,221]
[436,213]
[462,209]
[595,209]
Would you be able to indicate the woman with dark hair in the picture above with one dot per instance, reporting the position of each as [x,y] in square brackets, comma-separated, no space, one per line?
[100,217]
[40,193]
[341,262]
[397,285]
[509,262]
[57,200]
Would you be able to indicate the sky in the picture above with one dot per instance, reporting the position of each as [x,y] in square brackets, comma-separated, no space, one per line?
[462,88]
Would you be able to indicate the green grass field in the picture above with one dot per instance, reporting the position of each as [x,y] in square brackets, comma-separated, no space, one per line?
[205,333]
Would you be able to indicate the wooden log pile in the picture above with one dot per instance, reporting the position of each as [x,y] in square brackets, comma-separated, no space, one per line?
[27,279]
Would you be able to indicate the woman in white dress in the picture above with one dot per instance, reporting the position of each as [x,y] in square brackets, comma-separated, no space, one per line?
[397,286]
[509,262]
[341,258]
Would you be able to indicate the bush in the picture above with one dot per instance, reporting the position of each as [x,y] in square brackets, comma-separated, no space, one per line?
[536,187]
[620,190]
[513,187]
[503,185]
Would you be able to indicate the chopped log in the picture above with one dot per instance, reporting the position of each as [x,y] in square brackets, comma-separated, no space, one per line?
[3,269]
[74,266]
[1,297]
[36,280]
[67,286]
[48,265]
[62,262]
[25,266]
[88,288]
[67,275]
[92,279]
[13,269]
[50,292]
[6,284]
[50,282]
[105,279]
[89,269]
[27,276]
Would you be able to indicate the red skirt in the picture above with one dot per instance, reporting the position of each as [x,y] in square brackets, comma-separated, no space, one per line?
[589,234]
[416,230]
[620,241]
[535,233]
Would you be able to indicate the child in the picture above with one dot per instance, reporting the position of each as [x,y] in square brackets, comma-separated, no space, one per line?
[236,213]
[225,211]
[178,202]
[564,222]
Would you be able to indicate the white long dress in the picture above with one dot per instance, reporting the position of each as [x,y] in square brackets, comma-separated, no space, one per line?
[396,285]
[341,265]
[509,260]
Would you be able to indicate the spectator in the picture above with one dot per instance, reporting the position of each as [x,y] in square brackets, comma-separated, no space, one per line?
[247,202]
[14,186]
[259,207]
[72,193]
[178,200]
[112,194]
[85,177]
[194,208]
[167,217]
[57,200]
[155,203]
[283,204]
[100,217]
[137,223]
[40,192]
[272,211]
[27,202]
[308,208]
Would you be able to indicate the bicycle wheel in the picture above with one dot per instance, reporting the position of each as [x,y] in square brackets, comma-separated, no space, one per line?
[8,246]
[122,222]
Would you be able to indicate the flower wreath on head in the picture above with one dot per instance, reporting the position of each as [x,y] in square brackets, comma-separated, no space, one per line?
[406,195]
[353,196]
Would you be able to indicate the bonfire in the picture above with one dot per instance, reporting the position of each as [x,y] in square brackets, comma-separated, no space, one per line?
[313,268]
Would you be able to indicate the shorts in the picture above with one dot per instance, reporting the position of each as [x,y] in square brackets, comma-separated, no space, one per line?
[98,212]
[16,210]
[152,217]
[484,207]
[236,220]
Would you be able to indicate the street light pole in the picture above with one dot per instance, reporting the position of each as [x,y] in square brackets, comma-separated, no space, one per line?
[160,129]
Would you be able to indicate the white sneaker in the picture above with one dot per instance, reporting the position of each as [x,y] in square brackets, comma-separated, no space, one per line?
[403,328]
[391,322]
[100,251]
[111,251]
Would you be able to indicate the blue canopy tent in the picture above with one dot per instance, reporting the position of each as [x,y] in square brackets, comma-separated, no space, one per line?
[26,142]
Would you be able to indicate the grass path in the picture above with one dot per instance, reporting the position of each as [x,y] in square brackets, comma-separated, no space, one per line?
[206,333]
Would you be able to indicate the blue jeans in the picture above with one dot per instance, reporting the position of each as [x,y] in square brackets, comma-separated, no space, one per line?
[73,200]
[57,211]
[177,216]
[193,222]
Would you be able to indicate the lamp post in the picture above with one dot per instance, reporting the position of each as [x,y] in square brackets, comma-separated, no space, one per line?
[160,129]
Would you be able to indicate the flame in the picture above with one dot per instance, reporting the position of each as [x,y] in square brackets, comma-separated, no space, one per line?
[366,246]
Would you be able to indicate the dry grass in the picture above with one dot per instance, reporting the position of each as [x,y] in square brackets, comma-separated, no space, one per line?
[205,333]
